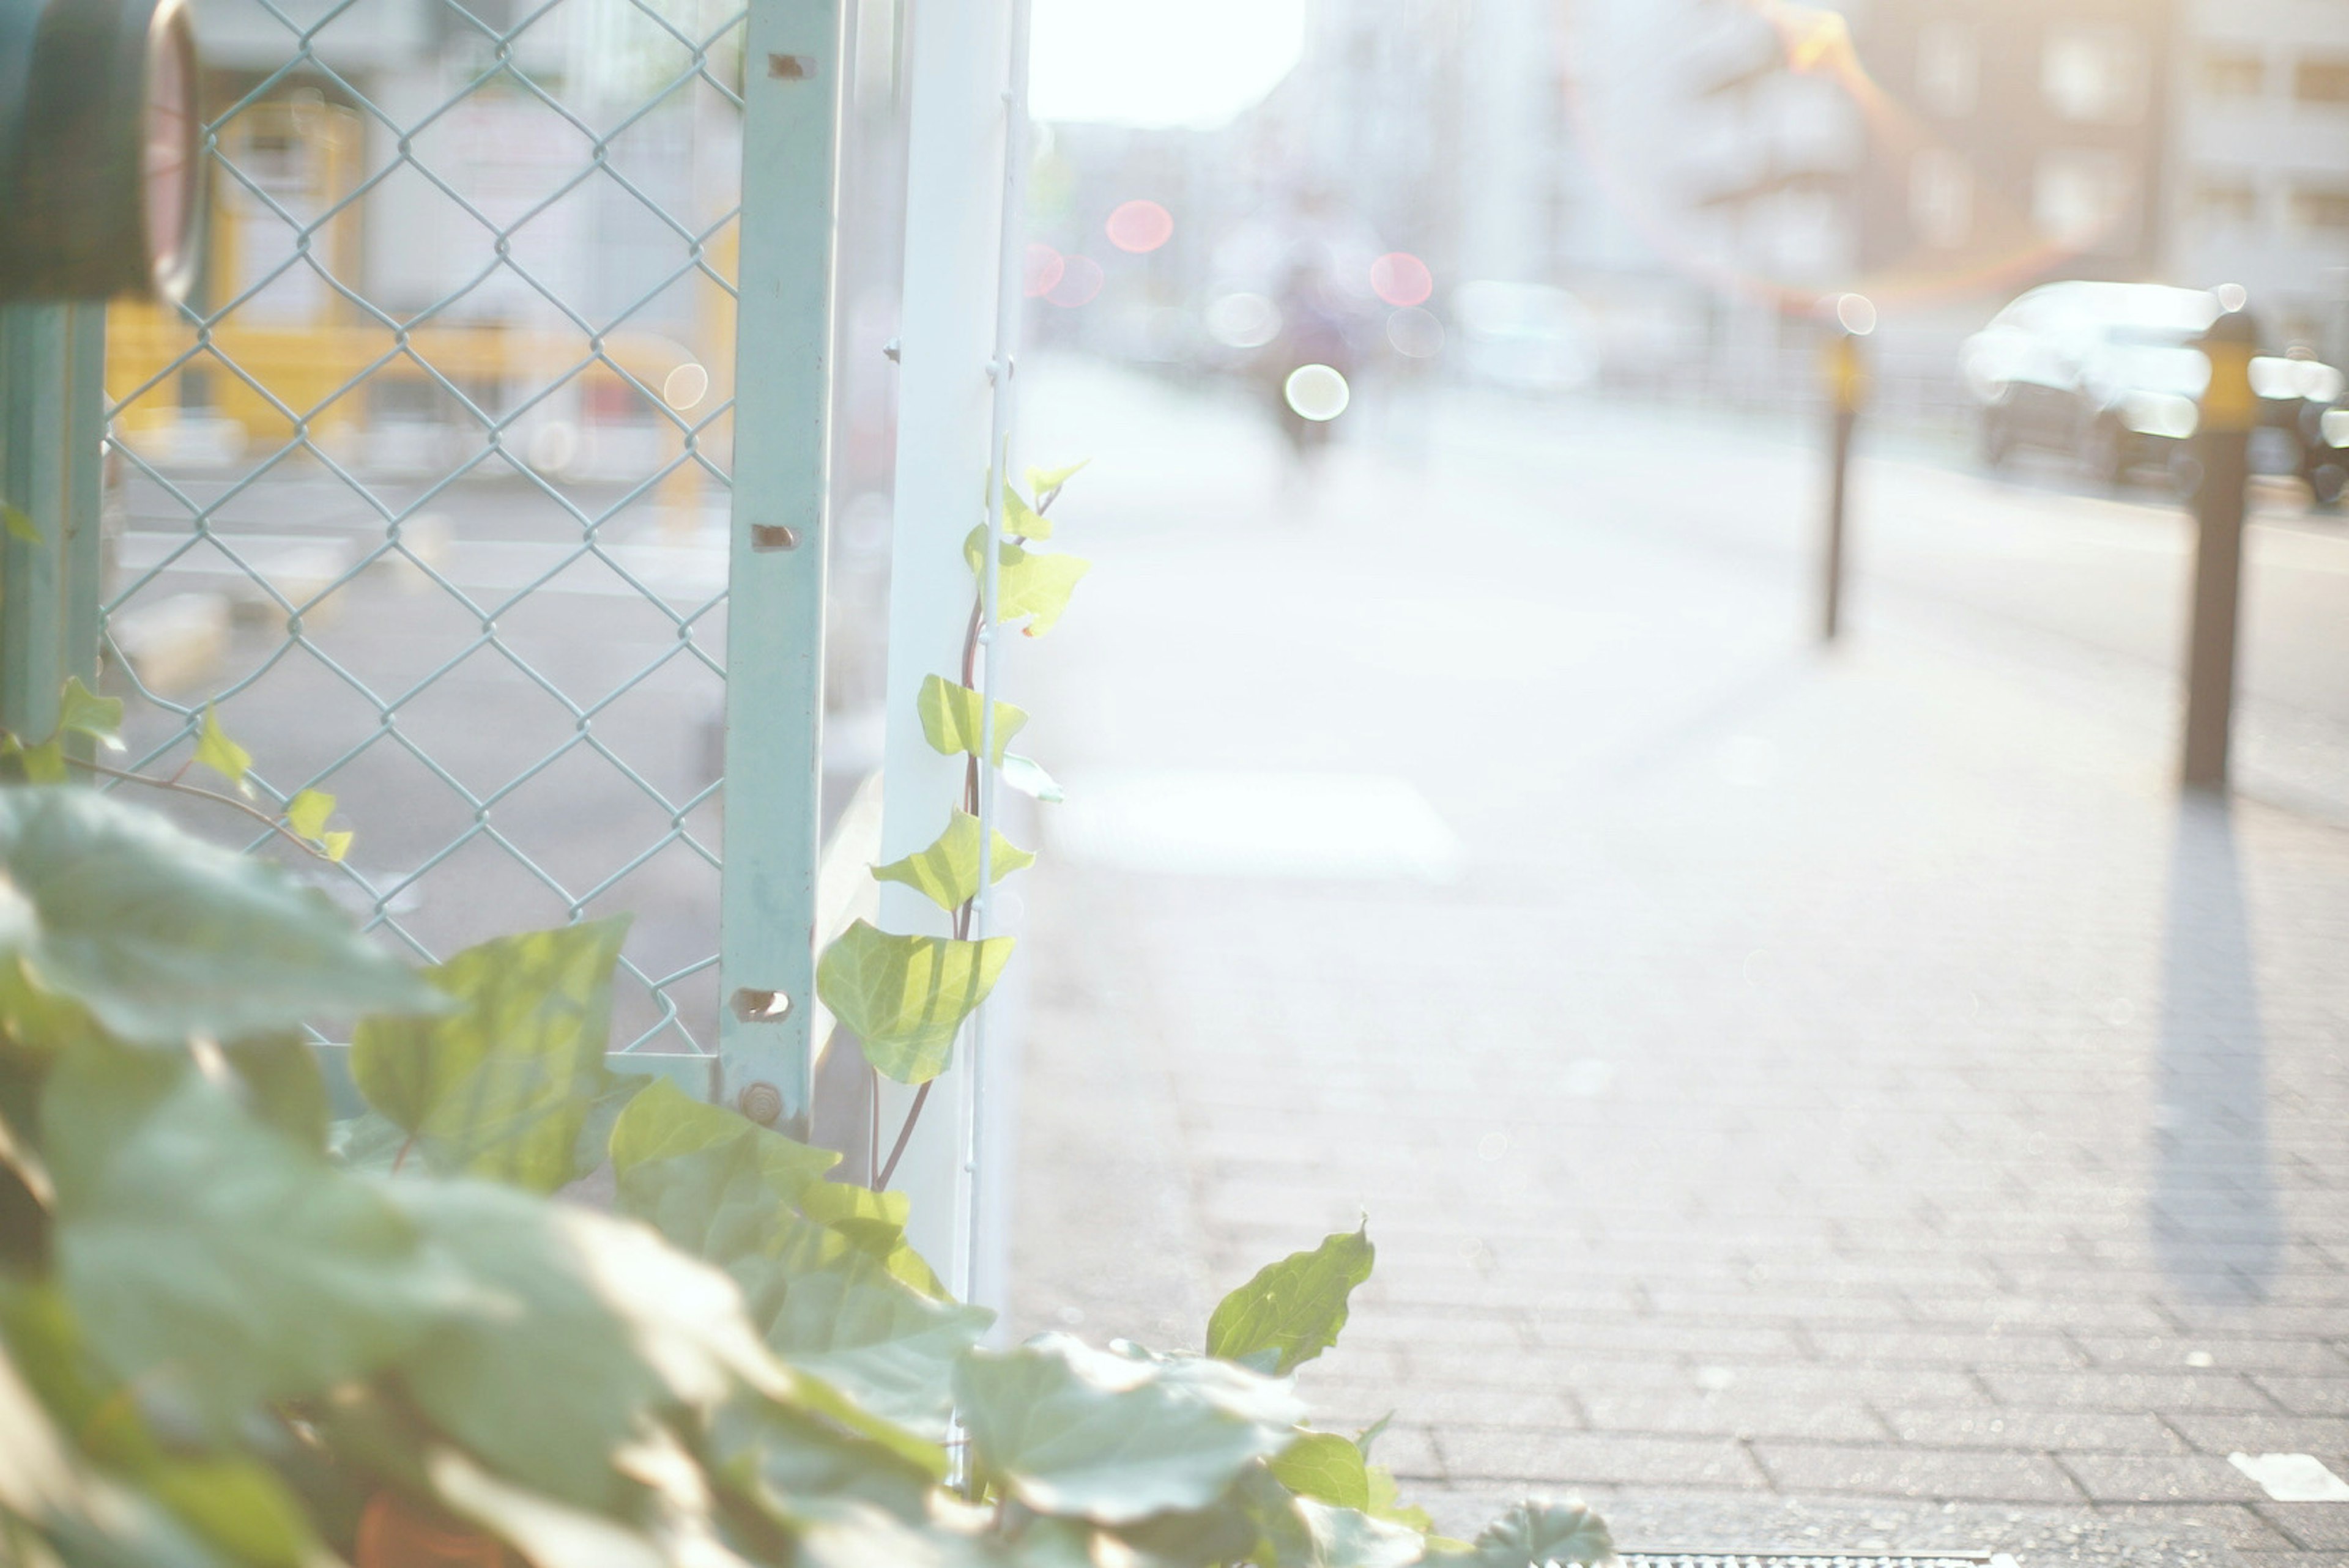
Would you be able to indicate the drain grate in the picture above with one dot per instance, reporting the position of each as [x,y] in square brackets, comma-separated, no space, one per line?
[1816,1560]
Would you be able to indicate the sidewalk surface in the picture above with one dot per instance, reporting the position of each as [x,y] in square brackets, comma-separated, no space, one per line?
[1837,1101]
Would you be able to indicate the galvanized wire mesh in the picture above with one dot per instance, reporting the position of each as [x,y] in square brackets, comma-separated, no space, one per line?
[424,491]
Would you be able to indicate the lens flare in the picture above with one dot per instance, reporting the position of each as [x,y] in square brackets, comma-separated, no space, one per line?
[1045,266]
[1317,392]
[1401,279]
[1080,280]
[1138,227]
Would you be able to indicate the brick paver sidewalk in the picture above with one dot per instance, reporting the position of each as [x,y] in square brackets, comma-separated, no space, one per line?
[1843,1102]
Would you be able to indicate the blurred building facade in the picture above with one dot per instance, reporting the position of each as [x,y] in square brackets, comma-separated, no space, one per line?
[1703,171]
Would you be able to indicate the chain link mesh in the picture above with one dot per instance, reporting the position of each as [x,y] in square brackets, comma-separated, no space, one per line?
[424,491]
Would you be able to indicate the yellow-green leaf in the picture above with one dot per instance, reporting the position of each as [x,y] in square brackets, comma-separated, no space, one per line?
[1327,1466]
[42,764]
[81,711]
[307,813]
[1026,583]
[1045,481]
[1021,520]
[1292,1310]
[225,757]
[20,524]
[950,719]
[946,873]
[905,996]
[336,846]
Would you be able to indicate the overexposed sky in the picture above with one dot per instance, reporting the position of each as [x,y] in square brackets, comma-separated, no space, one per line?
[1160,62]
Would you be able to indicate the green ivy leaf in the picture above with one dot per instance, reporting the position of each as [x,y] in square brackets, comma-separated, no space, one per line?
[283,1086]
[336,846]
[241,1506]
[721,1200]
[875,1223]
[777,1458]
[906,996]
[1292,1310]
[1539,1534]
[81,711]
[951,718]
[307,813]
[1067,1430]
[210,1258]
[501,1087]
[1020,519]
[830,1308]
[946,873]
[1386,1501]
[162,937]
[1327,1466]
[600,1326]
[225,757]
[20,524]
[542,1530]
[1045,482]
[43,763]
[1023,774]
[1350,1538]
[663,1122]
[1027,583]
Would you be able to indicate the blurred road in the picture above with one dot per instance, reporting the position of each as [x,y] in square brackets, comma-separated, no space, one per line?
[1812,1100]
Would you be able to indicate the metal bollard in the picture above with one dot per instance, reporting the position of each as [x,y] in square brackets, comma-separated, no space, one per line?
[2222,443]
[1846,376]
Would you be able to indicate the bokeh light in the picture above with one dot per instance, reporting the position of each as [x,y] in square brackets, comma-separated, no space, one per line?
[1045,266]
[1140,226]
[1080,281]
[1400,278]
[1317,392]
[1243,321]
[685,386]
[1414,333]
[1856,314]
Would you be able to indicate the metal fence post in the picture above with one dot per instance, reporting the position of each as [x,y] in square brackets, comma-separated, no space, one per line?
[955,172]
[2222,443]
[51,421]
[774,652]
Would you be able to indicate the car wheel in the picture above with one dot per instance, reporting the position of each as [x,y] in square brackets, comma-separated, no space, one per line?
[1994,440]
[2326,481]
[2104,454]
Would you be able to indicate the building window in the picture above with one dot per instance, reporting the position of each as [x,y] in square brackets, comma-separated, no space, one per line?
[1941,198]
[2229,73]
[2226,204]
[2096,75]
[2320,81]
[2321,207]
[2078,197]
[1949,68]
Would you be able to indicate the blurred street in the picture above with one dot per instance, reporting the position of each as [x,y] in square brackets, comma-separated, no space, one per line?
[1799,1098]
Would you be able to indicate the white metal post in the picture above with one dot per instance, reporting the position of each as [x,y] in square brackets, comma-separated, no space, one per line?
[957,64]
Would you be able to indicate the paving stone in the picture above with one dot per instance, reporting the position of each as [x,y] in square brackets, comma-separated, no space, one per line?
[2235,1525]
[2318,1526]
[2327,1437]
[2184,1478]
[1580,1460]
[2125,1391]
[1730,1415]
[2082,1431]
[2307,1395]
[1937,1474]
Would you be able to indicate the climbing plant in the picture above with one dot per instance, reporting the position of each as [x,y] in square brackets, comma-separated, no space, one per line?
[523,1307]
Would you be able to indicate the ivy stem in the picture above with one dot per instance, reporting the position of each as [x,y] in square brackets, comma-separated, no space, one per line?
[174,785]
[904,1134]
[962,916]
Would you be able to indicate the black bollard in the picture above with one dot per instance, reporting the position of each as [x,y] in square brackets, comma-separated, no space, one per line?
[2222,451]
[1847,389]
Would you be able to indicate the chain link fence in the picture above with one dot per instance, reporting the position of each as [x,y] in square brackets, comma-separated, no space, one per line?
[425,491]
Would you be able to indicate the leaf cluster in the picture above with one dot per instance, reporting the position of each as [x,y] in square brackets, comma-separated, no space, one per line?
[235,1332]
